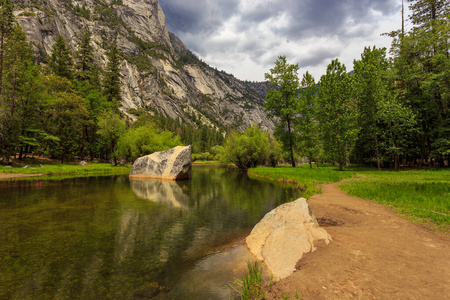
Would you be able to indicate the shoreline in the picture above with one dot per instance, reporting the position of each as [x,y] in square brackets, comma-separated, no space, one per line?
[18,175]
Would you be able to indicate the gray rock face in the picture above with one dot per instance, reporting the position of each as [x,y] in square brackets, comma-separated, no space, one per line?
[284,234]
[172,164]
[165,76]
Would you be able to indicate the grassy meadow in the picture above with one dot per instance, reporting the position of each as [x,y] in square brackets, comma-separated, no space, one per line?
[309,180]
[420,195]
[68,169]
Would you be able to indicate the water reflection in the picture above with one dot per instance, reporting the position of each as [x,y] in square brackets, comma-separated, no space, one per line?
[108,237]
[162,191]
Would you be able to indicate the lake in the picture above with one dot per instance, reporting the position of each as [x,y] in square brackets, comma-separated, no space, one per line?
[115,238]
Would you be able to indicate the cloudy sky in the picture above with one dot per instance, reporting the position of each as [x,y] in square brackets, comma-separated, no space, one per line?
[245,37]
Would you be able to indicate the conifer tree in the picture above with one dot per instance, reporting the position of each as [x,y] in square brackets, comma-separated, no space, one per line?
[6,24]
[112,77]
[84,64]
[60,61]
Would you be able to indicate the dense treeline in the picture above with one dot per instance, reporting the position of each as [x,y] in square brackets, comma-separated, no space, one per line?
[69,108]
[389,111]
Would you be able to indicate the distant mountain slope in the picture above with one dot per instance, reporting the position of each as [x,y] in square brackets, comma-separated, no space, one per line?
[158,72]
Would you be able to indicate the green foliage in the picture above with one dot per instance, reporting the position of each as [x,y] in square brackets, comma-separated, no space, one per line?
[145,139]
[250,149]
[82,11]
[336,112]
[282,100]
[60,61]
[421,64]
[111,129]
[112,76]
[84,65]
[308,127]
[250,286]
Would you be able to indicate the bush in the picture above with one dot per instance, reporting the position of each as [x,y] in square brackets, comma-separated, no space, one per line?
[145,140]
[250,149]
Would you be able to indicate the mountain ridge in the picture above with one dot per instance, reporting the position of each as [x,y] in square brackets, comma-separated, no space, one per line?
[158,72]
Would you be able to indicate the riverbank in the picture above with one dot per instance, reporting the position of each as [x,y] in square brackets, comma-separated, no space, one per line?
[374,254]
[419,195]
[34,170]
[377,252]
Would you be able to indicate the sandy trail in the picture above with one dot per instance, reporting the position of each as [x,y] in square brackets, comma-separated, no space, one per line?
[374,255]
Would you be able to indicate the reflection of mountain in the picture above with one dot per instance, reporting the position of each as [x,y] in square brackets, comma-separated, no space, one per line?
[168,192]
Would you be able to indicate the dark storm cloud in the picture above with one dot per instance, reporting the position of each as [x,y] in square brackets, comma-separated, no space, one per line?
[197,16]
[309,32]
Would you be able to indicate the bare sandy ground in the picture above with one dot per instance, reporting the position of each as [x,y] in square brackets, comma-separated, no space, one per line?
[375,254]
[10,175]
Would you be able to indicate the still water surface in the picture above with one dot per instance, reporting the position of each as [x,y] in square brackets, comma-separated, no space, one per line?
[116,238]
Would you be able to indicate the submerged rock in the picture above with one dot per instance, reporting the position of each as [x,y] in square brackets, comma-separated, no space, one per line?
[172,164]
[284,234]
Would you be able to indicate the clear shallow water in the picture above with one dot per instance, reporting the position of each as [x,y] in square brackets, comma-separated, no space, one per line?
[112,238]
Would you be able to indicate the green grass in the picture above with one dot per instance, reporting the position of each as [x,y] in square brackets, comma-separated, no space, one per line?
[420,195]
[68,169]
[250,286]
[307,179]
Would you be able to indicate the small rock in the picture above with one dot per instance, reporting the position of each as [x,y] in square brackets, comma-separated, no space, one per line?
[149,290]
[41,166]
[83,163]
[26,167]
[8,167]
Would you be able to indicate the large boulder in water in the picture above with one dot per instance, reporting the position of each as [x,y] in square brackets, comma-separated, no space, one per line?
[172,164]
[284,234]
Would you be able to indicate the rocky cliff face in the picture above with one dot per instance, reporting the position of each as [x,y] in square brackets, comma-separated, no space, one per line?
[157,71]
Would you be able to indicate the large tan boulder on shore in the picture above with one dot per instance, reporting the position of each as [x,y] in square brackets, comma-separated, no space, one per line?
[284,234]
[172,164]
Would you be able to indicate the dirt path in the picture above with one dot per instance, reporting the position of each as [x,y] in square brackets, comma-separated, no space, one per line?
[12,175]
[374,255]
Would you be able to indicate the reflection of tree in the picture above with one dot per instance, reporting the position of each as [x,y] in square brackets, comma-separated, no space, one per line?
[88,238]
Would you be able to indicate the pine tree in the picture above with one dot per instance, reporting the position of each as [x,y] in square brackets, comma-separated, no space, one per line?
[60,61]
[112,77]
[84,65]
[6,24]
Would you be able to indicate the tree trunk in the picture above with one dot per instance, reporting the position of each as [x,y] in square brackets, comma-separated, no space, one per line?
[291,144]
[20,153]
[2,38]
[378,153]
[395,159]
